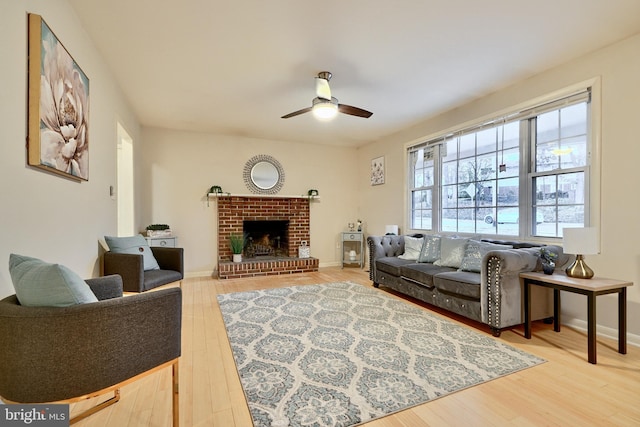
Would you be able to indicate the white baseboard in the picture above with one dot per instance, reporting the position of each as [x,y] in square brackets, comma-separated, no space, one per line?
[603,331]
[329,264]
[208,273]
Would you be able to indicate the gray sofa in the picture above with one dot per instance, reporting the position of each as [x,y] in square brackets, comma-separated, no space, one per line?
[492,296]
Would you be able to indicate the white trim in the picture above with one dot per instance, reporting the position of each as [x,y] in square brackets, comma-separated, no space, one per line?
[602,331]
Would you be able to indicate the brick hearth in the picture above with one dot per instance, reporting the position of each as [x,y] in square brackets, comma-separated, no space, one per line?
[235,270]
[233,210]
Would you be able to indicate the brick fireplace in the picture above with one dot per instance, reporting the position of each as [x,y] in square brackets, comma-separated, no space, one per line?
[284,217]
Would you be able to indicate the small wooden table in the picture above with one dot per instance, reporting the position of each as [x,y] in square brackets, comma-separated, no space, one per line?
[589,287]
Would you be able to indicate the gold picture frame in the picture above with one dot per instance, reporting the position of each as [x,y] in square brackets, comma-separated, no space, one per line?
[58,122]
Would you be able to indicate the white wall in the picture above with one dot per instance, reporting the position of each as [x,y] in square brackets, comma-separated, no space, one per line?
[177,168]
[41,214]
[618,67]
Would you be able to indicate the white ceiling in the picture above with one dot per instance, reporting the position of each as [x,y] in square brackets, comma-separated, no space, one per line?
[234,67]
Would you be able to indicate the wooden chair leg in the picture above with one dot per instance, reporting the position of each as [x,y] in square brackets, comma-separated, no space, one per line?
[176,395]
[116,394]
[98,407]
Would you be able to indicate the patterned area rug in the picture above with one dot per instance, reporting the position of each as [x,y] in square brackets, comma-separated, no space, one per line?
[341,354]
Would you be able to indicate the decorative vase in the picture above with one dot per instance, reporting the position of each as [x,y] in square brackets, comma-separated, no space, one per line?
[352,255]
[237,257]
[548,267]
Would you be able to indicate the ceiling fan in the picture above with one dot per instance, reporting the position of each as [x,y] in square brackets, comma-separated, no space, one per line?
[324,106]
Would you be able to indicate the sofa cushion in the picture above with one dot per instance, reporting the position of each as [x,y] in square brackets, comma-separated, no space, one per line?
[391,264]
[430,251]
[155,278]
[412,247]
[474,253]
[38,283]
[462,283]
[422,272]
[133,245]
[451,252]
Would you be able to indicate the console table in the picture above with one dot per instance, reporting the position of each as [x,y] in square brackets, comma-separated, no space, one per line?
[589,287]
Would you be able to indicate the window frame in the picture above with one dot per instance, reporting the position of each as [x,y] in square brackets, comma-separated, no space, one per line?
[589,91]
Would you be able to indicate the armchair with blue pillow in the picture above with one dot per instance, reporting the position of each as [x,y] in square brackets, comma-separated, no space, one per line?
[67,340]
[142,267]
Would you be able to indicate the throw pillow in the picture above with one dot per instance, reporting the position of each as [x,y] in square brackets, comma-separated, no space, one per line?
[474,253]
[412,247]
[430,251]
[38,283]
[136,245]
[451,252]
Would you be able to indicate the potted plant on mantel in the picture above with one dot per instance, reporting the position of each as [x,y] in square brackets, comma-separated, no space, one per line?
[236,242]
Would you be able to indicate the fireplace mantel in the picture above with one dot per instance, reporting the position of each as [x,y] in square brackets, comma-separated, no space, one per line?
[265,196]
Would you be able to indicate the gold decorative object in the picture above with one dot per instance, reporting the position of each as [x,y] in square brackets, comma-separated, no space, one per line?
[579,269]
[580,241]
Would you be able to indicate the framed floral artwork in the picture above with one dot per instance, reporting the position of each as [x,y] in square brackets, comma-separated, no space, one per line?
[58,132]
[377,171]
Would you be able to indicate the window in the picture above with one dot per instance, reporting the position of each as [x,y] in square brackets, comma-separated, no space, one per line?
[521,175]
[422,165]
[559,171]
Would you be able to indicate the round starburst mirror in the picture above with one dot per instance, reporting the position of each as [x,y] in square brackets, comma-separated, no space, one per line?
[263,175]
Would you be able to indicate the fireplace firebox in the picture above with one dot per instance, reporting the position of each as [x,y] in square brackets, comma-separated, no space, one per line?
[266,238]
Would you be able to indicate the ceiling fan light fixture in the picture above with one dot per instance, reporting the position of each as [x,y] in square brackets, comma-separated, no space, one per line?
[324,109]
[324,106]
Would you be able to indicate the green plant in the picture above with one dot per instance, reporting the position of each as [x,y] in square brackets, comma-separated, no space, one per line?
[236,241]
[158,227]
[547,256]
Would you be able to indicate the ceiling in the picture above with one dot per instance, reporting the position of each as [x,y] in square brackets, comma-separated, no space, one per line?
[235,67]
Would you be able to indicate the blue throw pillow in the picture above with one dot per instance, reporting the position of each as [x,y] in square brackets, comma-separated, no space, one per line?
[134,245]
[38,283]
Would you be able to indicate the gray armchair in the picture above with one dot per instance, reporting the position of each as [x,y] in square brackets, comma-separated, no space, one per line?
[68,354]
[135,279]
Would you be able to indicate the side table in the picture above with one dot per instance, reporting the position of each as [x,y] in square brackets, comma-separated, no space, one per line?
[352,241]
[589,287]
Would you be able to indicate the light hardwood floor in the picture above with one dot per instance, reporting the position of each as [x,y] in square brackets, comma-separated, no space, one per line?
[565,391]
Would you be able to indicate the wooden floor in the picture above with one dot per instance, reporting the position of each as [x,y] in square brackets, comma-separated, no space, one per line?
[565,391]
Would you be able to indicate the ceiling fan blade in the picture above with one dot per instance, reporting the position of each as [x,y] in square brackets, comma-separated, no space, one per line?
[322,88]
[354,111]
[296,113]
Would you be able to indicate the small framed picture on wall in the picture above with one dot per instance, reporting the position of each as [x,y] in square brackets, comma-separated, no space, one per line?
[377,171]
